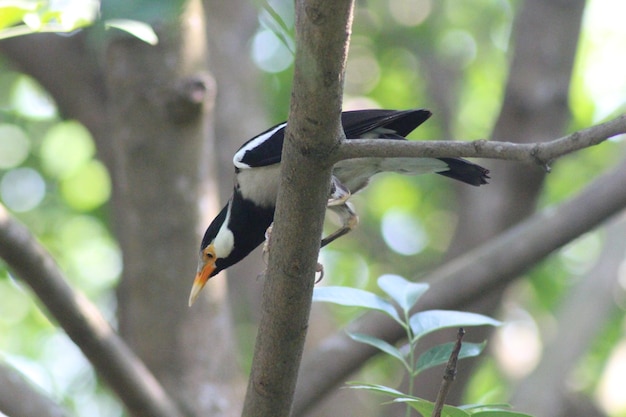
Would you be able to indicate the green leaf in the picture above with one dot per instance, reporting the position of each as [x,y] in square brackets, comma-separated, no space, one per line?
[499,413]
[381,389]
[354,297]
[12,12]
[403,292]
[440,354]
[426,322]
[140,30]
[485,407]
[381,345]
[277,25]
[425,408]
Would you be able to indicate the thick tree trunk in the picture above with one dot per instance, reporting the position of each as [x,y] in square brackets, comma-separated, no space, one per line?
[160,99]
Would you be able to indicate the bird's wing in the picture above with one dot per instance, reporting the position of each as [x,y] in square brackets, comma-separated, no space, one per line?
[265,149]
[375,123]
[262,150]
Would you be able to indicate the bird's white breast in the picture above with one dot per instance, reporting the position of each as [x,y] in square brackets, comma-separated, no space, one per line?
[260,184]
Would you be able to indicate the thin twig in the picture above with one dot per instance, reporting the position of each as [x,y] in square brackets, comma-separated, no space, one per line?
[540,153]
[449,374]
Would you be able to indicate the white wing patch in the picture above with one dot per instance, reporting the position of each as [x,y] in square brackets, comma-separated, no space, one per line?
[238,158]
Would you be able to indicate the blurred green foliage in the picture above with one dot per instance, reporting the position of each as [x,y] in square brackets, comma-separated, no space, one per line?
[22,17]
[26,17]
[51,180]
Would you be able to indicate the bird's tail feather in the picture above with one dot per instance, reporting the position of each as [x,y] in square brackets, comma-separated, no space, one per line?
[456,168]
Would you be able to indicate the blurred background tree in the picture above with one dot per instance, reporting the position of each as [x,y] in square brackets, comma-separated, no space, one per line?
[116,154]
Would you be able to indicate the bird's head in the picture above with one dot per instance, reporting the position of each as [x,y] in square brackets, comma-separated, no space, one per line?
[216,246]
[206,269]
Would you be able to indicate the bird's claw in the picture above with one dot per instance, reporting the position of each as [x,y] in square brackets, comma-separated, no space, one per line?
[266,245]
[319,269]
[339,193]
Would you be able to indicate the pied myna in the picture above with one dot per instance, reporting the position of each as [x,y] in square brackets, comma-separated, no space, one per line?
[242,224]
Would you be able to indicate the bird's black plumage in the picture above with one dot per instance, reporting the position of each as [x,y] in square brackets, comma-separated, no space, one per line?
[251,221]
[266,148]
[241,225]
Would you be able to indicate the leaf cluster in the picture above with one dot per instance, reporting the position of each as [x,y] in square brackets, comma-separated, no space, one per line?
[24,17]
[403,297]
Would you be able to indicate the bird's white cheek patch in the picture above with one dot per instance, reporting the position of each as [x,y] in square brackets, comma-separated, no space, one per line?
[224,242]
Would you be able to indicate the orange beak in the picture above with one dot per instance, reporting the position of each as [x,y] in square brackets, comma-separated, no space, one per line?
[202,277]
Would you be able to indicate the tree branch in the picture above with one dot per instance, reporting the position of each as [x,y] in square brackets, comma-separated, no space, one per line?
[486,268]
[322,33]
[542,153]
[449,374]
[124,372]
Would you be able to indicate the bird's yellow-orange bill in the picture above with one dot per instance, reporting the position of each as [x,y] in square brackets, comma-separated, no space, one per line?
[201,279]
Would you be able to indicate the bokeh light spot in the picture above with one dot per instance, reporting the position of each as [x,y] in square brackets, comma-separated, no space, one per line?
[14,146]
[269,53]
[403,233]
[22,189]
[30,100]
[88,188]
[410,12]
[65,148]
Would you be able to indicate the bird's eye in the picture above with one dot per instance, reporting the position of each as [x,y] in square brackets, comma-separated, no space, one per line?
[209,255]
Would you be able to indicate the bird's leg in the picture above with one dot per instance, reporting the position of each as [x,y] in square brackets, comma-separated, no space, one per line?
[339,193]
[319,269]
[349,220]
[338,202]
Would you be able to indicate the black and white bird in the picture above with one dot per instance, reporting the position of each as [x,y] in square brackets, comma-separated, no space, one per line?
[242,224]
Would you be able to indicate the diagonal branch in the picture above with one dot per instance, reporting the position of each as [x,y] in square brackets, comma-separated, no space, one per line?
[18,397]
[542,153]
[457,283]
[124,372]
